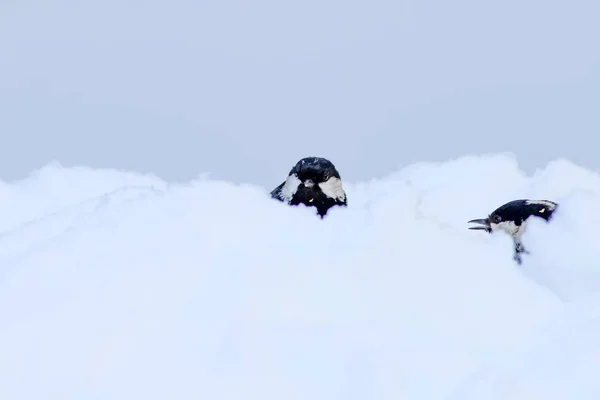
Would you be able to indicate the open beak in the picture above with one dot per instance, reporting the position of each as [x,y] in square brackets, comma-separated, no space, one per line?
[484,225]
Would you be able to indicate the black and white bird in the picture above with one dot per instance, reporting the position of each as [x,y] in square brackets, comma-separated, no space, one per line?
[314,182]
[513,218]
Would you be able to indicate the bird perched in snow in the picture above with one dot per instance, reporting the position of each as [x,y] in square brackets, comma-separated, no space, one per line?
[513,217]
[314,182]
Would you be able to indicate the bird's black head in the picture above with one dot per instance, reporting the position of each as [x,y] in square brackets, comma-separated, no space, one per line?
[511,216]
[315,169]
[314,182]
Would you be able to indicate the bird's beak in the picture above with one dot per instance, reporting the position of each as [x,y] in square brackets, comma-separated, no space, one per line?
[484,225]
[308,183]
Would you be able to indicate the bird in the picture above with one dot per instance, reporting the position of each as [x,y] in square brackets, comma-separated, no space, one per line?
[314,182]
[513,217]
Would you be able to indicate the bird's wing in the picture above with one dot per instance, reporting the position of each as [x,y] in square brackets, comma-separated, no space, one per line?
[277,193]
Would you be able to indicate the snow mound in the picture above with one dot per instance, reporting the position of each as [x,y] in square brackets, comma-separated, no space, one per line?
[115,285]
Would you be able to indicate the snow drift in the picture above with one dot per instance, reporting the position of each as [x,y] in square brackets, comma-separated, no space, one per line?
[115,285]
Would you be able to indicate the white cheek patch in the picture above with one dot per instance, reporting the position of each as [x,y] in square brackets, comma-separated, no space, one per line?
[511,228]
[290,187]
[333,188]
[507,226]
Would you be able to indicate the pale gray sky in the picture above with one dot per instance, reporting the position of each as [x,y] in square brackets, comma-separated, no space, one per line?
[243,89]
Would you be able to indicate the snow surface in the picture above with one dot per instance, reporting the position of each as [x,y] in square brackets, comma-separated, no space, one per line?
[115,285]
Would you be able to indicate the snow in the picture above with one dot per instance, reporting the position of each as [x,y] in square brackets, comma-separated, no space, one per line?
[117,285]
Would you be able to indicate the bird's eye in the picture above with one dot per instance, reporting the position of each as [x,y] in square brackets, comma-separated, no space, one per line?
[497,219]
